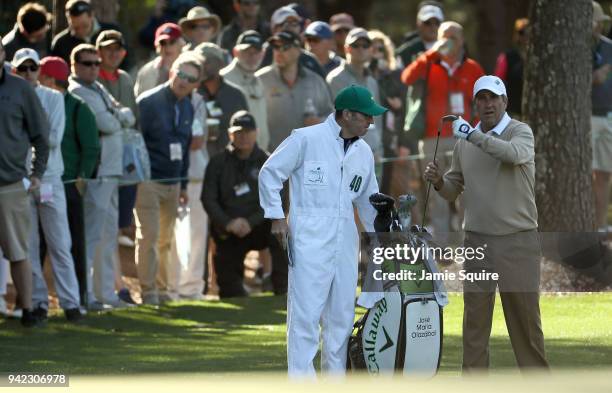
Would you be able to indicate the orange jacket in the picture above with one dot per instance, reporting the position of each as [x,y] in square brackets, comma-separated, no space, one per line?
[439,87]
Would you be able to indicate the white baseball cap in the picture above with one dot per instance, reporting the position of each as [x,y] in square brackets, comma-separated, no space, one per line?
[282,14]
[24,54]
[430,11]
[491,83]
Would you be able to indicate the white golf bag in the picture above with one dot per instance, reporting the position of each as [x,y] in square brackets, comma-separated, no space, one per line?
[403,332]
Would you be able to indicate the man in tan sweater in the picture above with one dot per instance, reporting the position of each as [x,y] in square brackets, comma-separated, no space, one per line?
[493,166]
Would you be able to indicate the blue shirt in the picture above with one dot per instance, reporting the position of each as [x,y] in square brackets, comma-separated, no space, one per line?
[166,121]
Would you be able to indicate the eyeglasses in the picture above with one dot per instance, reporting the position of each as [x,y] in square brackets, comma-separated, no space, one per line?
[282,48]
[90,63]
[186,77]
[201,26]
[26,68]
[167,42]
[290,23]
[362,46]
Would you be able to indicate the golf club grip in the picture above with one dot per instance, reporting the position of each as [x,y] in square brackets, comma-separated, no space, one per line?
[449,118]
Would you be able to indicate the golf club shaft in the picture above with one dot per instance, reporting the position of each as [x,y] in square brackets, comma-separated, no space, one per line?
[442,120]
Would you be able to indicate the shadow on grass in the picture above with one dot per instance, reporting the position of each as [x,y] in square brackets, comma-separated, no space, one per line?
[242,335]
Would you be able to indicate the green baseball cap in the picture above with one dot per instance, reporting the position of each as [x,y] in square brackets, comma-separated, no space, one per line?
[358,99]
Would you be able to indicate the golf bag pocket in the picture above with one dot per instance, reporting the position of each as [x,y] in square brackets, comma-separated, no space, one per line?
[423,324]
[375,346]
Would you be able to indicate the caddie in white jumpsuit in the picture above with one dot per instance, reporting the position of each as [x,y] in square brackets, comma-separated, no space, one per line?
[330,170]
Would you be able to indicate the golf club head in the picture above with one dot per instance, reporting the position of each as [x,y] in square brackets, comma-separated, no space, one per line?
[406,202]
[448,118]
[385,206]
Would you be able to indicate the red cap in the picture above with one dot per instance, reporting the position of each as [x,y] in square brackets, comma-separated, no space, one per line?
[55,67]
[167,31]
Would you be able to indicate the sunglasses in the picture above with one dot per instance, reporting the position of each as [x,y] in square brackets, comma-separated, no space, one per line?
[90,63]
[186,77]
[282,48]
[432,22]
[314,40]
[362,46]
[167,42]
[26,68]
[201,26]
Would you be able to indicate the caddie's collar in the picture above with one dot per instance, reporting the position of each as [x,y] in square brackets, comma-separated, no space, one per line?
[500,127]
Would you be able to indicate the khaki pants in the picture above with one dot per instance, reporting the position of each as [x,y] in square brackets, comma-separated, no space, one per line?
[156,206]
[516,258]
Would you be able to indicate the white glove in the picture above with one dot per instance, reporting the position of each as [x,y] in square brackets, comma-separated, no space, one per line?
[462,129]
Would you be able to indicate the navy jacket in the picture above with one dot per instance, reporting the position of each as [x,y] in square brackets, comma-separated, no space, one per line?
[165,121]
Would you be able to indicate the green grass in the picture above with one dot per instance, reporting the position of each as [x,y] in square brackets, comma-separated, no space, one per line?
[248,335]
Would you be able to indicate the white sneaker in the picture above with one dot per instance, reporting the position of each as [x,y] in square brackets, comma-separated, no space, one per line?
[125,241]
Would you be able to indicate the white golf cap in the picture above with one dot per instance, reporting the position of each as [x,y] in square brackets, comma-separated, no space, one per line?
[430,11]
[282,14]
[491,83]
[24,54]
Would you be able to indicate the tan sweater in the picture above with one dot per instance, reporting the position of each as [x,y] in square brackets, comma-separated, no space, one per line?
[497,174]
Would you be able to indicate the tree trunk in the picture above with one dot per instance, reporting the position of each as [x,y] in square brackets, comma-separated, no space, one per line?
[557,106]
[59,16]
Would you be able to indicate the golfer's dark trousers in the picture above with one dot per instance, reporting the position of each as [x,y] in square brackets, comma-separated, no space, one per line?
[229,260]
[76,223]
[516,258]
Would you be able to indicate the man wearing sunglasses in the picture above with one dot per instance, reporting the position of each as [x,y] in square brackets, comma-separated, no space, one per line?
[49,205]
[320,42]
[101,196]
[169,43]
[24,125]
[247,17]
[428,20]
[354,71]
[286,19]
[166,119]
[331,171]
[199,26]
[341,24]
[295,96]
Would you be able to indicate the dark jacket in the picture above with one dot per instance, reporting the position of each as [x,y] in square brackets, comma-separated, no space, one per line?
[14,40]
[222,198]
[64,42]
[306,59]
[164,121]
[229,99]
[231,32]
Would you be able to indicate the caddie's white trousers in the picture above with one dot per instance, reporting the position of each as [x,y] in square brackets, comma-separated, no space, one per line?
[322,285]
[54,222]
[101,206]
